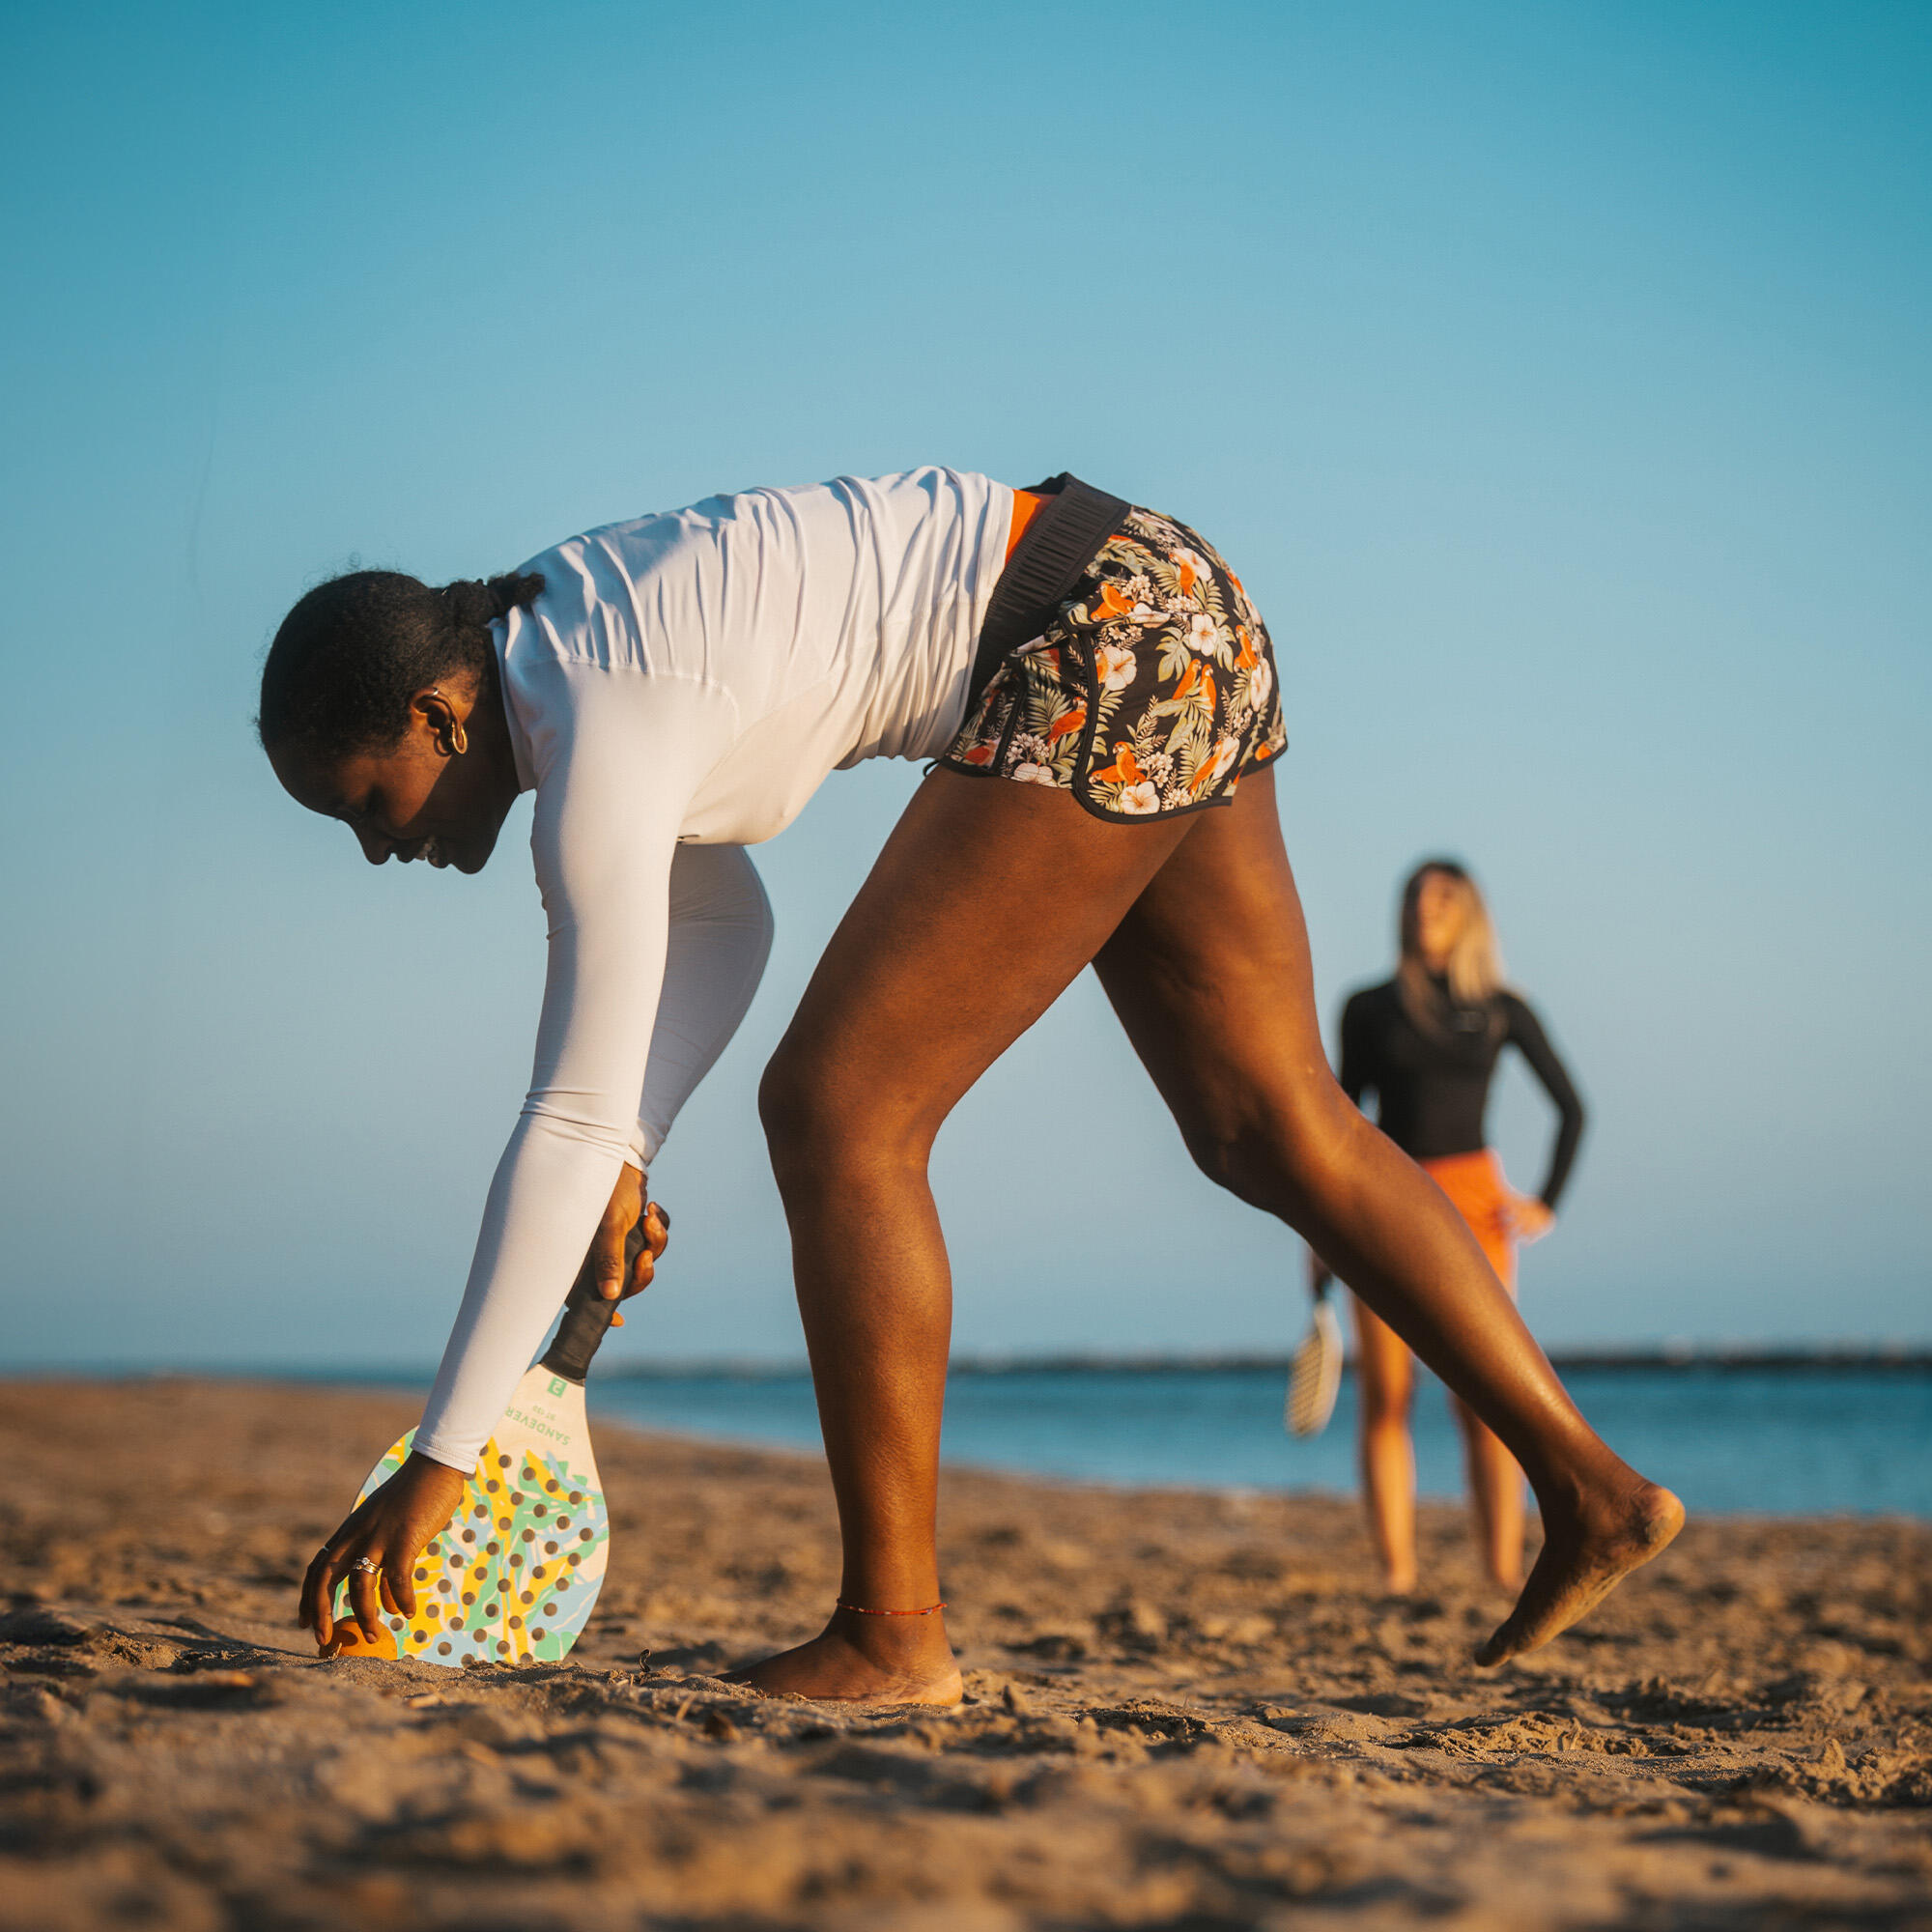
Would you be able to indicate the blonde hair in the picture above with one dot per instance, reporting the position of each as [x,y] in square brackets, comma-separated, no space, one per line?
[1474,967]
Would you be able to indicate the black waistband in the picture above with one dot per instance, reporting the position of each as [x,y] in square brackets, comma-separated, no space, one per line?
[1048,561]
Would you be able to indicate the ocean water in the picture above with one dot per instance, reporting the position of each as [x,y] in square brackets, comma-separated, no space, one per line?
[1785,1440]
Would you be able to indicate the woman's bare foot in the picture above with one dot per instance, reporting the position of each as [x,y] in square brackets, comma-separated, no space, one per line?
[1583,1560]
[863,1665]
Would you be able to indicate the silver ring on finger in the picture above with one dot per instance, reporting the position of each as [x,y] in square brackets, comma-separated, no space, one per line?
[368,1566]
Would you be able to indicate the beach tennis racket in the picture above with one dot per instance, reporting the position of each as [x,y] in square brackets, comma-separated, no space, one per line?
[514,1575]
[1314,1373]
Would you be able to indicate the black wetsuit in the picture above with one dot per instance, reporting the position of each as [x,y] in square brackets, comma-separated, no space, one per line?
[1432,1088]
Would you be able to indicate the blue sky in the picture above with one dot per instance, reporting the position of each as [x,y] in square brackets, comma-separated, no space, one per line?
[1556,377]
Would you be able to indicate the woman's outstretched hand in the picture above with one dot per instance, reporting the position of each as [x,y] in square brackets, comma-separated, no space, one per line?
[388,1531]
[606,1267]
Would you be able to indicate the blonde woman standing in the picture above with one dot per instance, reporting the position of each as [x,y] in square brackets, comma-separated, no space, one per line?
[1427,1043]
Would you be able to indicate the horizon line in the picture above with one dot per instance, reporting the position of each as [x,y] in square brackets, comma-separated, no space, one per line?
[1908,1357]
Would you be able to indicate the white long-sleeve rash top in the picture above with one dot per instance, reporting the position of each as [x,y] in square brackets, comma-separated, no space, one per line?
[679,690]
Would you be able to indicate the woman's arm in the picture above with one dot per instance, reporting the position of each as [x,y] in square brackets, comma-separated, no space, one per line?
[618,756]
[1356,1076]
[721,936]
[1525,1032]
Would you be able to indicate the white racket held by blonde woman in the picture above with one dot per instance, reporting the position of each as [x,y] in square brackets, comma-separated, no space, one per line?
[1315,1373]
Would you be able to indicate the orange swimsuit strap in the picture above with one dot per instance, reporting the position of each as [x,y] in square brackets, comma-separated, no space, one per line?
[1026,507]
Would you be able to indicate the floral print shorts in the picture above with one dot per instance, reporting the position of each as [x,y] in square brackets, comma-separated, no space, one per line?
[1149,693]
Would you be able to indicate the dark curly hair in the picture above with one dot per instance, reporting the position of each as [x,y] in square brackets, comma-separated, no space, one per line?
[342,670]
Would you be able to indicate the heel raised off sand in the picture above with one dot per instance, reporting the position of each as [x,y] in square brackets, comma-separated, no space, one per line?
[1579,1565]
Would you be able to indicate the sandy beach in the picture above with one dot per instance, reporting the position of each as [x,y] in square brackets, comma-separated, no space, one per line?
[1183,1710]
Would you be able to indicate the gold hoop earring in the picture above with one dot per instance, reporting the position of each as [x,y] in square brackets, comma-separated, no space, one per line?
[458,739]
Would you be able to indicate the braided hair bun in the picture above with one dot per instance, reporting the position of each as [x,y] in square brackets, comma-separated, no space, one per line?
[350,656]
[477,602]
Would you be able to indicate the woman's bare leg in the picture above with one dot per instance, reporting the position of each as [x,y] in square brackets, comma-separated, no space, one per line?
[1496,1498]
[1385,1375]
[1209,975]
[988,898]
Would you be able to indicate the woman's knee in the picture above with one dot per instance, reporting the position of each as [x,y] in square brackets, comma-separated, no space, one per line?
[1281,1152]
[1384,1373]
[820,1123]
[1388,1403]
[796,1108]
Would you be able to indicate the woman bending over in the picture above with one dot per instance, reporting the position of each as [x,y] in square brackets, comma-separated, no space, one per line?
[1099,694]
[1427,1043]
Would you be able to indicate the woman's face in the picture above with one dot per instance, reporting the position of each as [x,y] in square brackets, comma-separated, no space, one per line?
[1440,915]
[420,798]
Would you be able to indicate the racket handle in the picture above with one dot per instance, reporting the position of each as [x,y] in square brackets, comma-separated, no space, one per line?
[587,1315]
